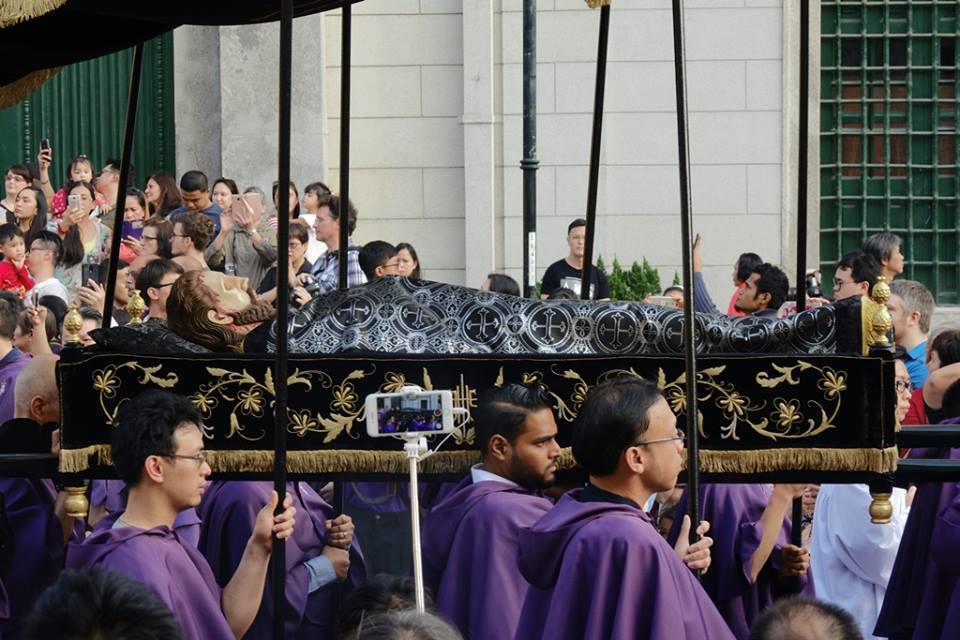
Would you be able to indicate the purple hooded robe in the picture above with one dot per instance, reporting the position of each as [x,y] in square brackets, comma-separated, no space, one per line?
[109,493]
[600,571]
[229,511]
[159,559]
[470,543]
[734,512]
[10,366]
[38,552]
[923,598]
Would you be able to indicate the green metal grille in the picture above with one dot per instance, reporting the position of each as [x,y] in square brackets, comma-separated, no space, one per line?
[888,133]
[82,110]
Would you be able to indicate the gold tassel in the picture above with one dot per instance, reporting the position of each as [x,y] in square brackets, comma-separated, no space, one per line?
[357,461]
[593,4]
[15,92]
[14,11]
[765,460]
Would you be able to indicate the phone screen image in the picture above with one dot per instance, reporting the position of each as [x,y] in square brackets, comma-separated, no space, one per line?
[422,413]
[134,229]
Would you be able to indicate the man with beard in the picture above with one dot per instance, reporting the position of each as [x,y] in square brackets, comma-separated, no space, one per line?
[470,537]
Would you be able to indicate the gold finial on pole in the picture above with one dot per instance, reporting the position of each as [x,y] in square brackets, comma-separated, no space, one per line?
[881,510]
[881,321]
[76,502]
[136,307]
[73,323]
[594,4]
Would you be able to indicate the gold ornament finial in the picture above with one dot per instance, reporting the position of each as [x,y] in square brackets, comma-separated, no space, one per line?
[76,503]
[881,510]
[593,4]
[73,323]
[136,307]
[881,321]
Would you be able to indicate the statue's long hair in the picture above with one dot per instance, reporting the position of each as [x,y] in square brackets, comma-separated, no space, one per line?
[187,308]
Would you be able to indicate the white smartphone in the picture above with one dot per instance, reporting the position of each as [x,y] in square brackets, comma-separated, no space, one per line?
[73,201]
[409,412]
[663,301]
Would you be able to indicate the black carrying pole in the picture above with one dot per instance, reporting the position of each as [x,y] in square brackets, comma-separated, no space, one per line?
[802,163]
[686,232]
[586,275]
[278,564]
[345,37]
[529,163]
[133,101]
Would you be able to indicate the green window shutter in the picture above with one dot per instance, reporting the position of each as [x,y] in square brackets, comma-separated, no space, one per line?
[888,133]
[82,110]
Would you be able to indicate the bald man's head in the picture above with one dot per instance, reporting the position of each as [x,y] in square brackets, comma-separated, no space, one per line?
[800,618]
[36,393]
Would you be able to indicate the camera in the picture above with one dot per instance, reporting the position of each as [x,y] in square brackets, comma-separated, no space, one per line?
[311,286]
[409,412]
[813,287]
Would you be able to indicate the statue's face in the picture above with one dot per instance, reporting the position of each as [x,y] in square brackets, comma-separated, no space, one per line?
[230,294]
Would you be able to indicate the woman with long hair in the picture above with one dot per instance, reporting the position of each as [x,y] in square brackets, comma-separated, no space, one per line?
[163,194]
[294,203]
[409,262]
[16,178]
[83,237]
[134,213]
[222,192]
[29,213]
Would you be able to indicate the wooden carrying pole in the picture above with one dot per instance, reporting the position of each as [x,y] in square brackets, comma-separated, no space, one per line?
[278,565]
[686,230]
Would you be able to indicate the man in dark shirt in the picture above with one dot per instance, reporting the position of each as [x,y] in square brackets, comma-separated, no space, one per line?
[196,197]
[567,273]
[763,292]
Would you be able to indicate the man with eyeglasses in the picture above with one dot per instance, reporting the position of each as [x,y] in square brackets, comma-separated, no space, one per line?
[855,275]
[153,282]
[597,566]
[42,257]
[568,272]
[158,452]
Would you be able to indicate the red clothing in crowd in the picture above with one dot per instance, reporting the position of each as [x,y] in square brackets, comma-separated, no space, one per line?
[12,278]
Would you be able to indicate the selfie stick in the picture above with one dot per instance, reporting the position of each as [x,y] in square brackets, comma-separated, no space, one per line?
[414,446]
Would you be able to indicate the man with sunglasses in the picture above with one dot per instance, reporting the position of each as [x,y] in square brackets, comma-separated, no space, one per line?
[158,452]
[596,563]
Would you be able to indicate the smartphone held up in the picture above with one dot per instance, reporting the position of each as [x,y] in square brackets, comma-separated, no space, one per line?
[409,413]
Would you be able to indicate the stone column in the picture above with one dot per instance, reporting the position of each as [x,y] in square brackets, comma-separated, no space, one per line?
[196,91]
[478,140]
[249,67]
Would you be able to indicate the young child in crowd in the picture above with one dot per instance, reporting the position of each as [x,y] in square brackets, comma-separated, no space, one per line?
[13,272]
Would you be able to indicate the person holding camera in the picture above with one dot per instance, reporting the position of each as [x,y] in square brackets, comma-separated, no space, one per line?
[246,245]
[301,280]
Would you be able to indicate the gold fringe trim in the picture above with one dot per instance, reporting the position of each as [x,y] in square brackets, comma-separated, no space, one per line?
[593,4]
[357,461]
[14,11]
[15,92]
[765,460]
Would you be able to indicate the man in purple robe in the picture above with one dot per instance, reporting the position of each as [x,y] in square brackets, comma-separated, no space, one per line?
[923,595]
[158,452]
[754,562]
[34,507]
[470,537]
[12,359]
[108,499]
[598,568]
[318,557]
